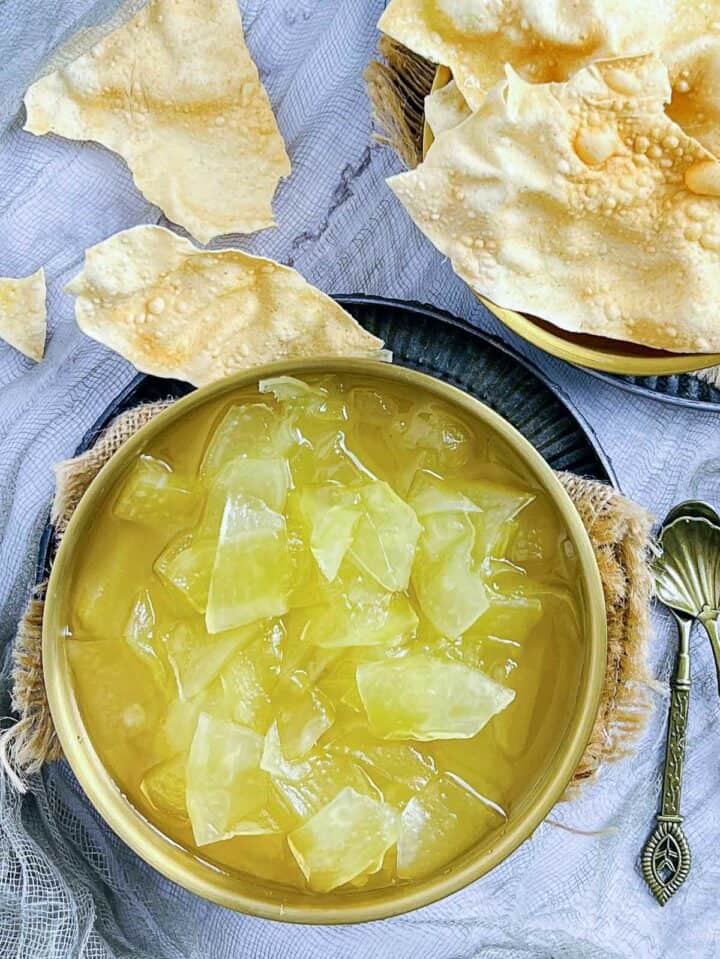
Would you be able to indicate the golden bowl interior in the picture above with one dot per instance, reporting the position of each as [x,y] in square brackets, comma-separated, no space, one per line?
[595,352]
[253,895]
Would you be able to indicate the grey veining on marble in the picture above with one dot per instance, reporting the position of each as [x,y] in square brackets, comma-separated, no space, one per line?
[68,886]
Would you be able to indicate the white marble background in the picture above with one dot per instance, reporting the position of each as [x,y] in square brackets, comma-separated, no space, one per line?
[68,887]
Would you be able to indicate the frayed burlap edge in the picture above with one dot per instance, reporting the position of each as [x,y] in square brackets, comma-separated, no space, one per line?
[397,85]
[618,529]
[31,741]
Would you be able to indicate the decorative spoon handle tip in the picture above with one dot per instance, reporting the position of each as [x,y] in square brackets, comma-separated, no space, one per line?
[666,860]
[666,857]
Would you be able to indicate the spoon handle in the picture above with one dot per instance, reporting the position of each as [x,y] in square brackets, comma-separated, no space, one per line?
[666,857]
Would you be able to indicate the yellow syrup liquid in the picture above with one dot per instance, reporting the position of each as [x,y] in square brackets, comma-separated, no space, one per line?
[328,634]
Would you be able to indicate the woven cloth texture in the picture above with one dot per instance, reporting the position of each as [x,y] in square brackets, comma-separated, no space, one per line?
[68,886]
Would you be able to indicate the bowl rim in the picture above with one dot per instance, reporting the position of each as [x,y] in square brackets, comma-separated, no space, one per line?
[178,864]
[558,342]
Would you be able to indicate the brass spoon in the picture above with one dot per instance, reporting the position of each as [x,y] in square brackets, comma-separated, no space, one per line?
[666,856]
[702,589]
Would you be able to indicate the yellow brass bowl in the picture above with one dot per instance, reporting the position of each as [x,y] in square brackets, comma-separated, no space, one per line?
[595,352]
[246,893]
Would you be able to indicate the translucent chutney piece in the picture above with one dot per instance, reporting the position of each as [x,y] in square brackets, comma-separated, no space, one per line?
[346,839]
[332,513]
[165,787]
[187,564]
[329,640]
[226,791]
[154,494]
[435,823]
[250,578]
[424,697]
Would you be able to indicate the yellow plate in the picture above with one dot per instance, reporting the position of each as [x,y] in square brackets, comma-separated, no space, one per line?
[597,352]
[248,893]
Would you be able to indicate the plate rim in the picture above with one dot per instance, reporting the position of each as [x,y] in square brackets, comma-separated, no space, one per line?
[648,392]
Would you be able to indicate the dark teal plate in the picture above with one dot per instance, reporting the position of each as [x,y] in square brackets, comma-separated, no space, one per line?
[448,348]
[683,389]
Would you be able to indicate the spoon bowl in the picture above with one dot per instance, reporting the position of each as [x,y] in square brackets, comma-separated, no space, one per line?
[687,574]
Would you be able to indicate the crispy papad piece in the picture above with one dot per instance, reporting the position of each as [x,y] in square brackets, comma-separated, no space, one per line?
[445,108]
[176,311]
[549,41]
[23,313]
[582,203]
[177,95]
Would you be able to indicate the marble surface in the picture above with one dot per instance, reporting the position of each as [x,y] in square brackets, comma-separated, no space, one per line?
[68,887]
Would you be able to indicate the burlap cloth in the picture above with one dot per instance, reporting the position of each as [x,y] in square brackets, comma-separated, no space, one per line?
[397,85]
[618,529]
